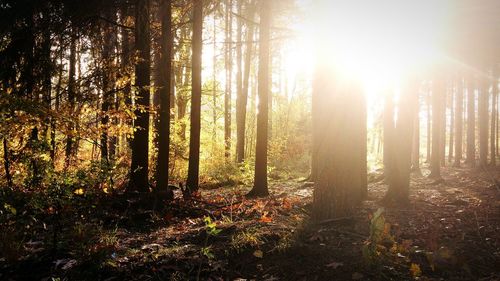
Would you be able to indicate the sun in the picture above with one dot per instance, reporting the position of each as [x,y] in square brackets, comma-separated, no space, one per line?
[379,43]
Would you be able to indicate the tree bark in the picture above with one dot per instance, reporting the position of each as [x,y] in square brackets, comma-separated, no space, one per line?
[388,127]
[438,93]
[140,144]
[459,102]
[494,111]
[401,143]
[415,157]
[194,138]
[471,123]
[71,97]
[229,72]
[162,172]
[260,187]
[483,122]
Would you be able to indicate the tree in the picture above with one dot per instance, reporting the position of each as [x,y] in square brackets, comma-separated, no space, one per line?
[401,144]
[140,144]
[260,178]
[415,155]
[494,112]
[471,123]
[70,143]
[240,98]
[164,88]
[483,122]
[194,137]
[438,94]
[388,127]
[459,102]
[229,72]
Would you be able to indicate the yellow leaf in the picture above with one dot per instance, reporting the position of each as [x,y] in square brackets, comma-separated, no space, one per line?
[258,254]
[79,191]
[415,270]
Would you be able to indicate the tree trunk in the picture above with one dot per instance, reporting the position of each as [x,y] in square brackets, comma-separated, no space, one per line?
[494,111]
[459,102]
[429,127]
[340,183]
[260,187]
[107,83]
[388,126]
[415,157]
[471,123]
[71,97]
[140,144]
[164,88]
[483,122]
[240,98]
[229,72]
[194,138]
[452,125]
[438,93]
[401,143]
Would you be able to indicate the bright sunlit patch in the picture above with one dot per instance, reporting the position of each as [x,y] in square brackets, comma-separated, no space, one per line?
[377,42]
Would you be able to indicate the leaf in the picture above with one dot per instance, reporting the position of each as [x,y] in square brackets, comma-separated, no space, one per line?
[415,270]
[79,191]
[258,254]
[10,208]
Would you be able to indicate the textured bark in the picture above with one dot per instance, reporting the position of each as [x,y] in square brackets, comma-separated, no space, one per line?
[452,126]
[164,88]
[340,183]
[401,142]
[260,187]
[194,137]
[140,144]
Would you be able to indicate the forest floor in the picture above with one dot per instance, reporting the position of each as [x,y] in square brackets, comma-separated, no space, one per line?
[450,230]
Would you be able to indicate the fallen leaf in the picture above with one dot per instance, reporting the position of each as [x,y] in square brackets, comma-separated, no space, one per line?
[258,254]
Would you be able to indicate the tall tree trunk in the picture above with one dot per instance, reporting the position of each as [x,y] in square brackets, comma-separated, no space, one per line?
[164,88]
[260,178]
[483,122]
[442,119]
[107,82]
[438,92]
[452,125]
[53,143]
[459,102]
[214,83]
[471,122]
[494,111]
[415,157]
[70,142]
[401,142]
[240,98]
[340,183]
[429,127]
[229,74]
[194,138]
[388,127]
[140,144]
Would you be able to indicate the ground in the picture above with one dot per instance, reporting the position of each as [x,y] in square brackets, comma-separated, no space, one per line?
[450,230]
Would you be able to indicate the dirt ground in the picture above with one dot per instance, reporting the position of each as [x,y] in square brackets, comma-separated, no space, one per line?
[450,230]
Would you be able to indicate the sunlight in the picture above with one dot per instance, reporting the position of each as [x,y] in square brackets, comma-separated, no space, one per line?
[365,44]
